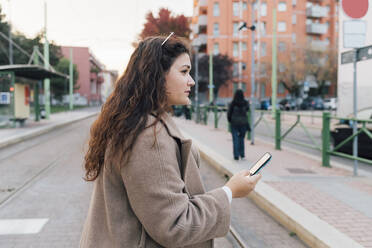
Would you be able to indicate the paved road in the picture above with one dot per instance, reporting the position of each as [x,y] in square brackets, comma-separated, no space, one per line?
[41,184]
[48,174]
[266,132]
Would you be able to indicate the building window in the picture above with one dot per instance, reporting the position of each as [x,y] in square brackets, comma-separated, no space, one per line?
[235,69]
[294,2]
[255,5]
[294,38]
[236,8]
[294,19]
[263,70]
[263,11]
[327,25]
[263,28]
[293,56]
[235,49]
[255,46]
[235,87]
[93,87]
[281,88]
[216,49]
[216,29]
[244,66]
[263,49]
[327,41]
[263,90]
[244,86]
[282,27]
[282,6]
[244,5]
[327,10]
[216,9]
[282,46]
[235,28]
[244,46]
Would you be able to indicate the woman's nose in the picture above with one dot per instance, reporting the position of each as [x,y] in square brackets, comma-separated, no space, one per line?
[191,82]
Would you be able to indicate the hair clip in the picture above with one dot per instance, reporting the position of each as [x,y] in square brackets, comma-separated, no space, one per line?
[167,38]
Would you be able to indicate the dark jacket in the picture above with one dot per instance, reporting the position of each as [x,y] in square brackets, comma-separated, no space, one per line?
[237,114]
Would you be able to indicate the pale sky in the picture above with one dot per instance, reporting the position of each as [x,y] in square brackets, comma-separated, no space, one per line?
[108,27]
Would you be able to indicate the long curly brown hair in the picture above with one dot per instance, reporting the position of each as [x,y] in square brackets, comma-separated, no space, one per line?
[140,91]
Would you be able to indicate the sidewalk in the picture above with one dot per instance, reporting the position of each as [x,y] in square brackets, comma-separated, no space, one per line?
[325,207]
[9,136]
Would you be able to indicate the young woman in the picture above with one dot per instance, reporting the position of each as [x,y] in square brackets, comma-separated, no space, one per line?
[237,117]
[147,187]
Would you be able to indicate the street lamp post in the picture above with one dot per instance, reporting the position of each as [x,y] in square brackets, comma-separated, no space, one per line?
[196,47]
[252,28]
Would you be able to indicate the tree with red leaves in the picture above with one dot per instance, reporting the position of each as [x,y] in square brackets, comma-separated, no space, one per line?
[165,23]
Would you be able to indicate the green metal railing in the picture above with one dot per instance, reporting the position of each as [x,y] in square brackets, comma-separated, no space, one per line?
[276,133]
[327,151]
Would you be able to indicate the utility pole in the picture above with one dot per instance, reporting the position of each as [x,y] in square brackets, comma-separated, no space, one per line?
[10,35]
[46,65]
[240,71]
[274,64]
[71,80]
[36,86]
[211,85]
[252,77]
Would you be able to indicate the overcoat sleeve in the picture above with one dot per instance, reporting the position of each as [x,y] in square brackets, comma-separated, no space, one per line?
[156,194]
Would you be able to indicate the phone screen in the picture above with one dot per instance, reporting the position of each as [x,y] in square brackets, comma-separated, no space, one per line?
[258,165]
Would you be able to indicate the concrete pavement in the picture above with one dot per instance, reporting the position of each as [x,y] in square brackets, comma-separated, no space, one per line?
[9,136]
[325,207]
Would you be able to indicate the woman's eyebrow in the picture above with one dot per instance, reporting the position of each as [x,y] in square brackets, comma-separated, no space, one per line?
[188,66]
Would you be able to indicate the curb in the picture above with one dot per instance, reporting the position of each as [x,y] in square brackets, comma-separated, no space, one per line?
[14,140]
[308,227]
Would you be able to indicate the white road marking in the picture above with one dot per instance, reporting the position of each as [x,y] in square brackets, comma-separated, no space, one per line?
[21,226]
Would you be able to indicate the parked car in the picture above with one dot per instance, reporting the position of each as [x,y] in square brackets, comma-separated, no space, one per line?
[330,103]
[265,104]
[288,104]
[312,103]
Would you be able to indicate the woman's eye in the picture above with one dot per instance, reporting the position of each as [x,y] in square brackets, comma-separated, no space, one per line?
[184,72]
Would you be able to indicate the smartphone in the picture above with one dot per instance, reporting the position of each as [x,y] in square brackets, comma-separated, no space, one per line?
[260,164]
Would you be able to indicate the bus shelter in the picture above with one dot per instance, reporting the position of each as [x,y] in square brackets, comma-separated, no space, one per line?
[19,85]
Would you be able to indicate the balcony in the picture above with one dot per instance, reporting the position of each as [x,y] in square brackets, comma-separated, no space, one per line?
[319,45]
[203,3]
[203,20]
[202,39]
[316,28]
[316,11]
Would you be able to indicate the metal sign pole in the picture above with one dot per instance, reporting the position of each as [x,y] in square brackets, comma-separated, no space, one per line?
[355,123]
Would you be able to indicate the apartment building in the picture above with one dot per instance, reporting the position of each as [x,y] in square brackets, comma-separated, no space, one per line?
[300,24]
[90,74]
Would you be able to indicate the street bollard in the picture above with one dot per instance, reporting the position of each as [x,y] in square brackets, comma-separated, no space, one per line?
[326,139]
[206,110]
[215,117]
[277,130]
[249,121]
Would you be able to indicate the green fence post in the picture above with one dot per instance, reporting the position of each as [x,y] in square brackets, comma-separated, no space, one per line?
[326,139]
[206,110]
[215,117]
[277,130]
[249,121]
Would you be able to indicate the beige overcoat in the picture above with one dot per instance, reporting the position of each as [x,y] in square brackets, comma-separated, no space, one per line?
[157,199]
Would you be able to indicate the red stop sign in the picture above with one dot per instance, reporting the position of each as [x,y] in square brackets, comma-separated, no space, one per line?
[355,8]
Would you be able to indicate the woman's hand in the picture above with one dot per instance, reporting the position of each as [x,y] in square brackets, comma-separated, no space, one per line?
[241,184]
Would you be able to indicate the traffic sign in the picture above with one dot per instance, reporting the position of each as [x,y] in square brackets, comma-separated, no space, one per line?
[355,8]
[347,57]
[365,53]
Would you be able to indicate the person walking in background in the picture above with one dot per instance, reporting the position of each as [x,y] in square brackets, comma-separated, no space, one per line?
[148,190]
[237,117]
